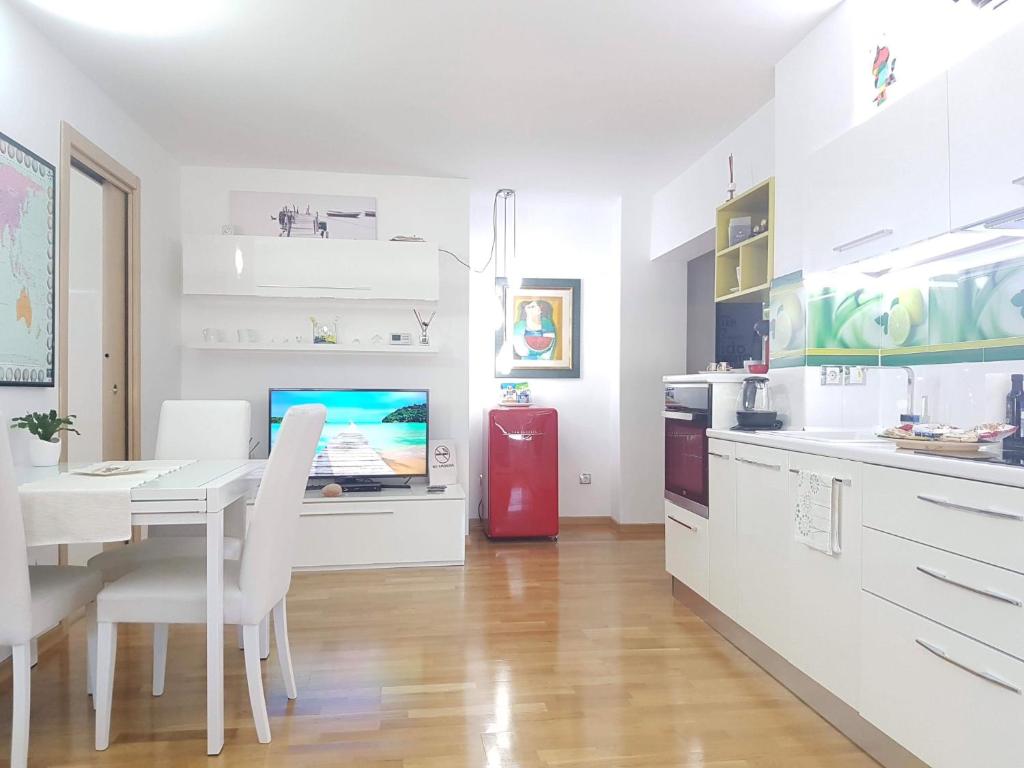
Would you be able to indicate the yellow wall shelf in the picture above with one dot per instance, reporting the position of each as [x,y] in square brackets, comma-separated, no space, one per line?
[744,271]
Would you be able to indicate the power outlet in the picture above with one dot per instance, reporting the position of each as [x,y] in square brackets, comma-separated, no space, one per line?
[585,478]
[831,375]
[854,374]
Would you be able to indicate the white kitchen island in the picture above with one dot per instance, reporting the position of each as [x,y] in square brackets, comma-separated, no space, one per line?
[911,638]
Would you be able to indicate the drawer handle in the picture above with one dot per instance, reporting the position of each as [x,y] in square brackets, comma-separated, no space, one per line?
[963,508]
[718,455]
[935,574]
[692,528]
[987,676]
[1018,181]
[753,463]
[862,240]
[835,480]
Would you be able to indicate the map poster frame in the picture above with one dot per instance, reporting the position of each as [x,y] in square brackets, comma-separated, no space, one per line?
[15,370]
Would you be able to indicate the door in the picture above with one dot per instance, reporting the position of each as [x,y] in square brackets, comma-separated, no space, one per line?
[724,588]
[762,491]
[97,314]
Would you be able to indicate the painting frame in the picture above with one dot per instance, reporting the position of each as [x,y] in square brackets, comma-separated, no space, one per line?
[561,360]
[48,374]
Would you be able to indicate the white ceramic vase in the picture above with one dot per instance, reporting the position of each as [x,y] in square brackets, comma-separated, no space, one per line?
[43,454]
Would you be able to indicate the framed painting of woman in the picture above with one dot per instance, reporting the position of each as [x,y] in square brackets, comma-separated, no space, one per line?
[540,333]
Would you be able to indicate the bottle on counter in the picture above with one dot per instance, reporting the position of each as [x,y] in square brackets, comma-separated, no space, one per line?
[1014,403]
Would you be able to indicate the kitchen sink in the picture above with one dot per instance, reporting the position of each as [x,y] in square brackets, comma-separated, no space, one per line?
[833,436]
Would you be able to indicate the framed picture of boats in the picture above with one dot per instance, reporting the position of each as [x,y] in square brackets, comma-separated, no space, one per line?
[281,214]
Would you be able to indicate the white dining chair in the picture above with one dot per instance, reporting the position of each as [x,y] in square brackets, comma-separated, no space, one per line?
[32,600]
[188,429]
[173,591]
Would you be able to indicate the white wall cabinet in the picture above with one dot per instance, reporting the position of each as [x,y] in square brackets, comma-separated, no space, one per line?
[762,508]
[724,579]
[985,114]
[881,185]
[242,265]
[686,548]
[824,590]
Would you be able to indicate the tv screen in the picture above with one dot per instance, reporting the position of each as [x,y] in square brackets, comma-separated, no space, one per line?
[368,433]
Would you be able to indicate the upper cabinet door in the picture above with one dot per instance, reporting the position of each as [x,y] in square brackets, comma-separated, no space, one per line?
[986,111]
[881,185]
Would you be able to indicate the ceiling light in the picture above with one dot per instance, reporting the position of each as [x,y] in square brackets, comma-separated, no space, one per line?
[148,18]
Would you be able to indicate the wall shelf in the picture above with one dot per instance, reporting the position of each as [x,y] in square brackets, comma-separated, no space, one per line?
[336,349]
[744,271]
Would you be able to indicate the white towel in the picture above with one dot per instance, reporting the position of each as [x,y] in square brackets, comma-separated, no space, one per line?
[73,509]
[814,515]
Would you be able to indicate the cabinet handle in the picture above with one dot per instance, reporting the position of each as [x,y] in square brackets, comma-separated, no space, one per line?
[987,676]
[718,455]
[840,480]
[1019,181]
[694,530]
[753,463]
[862,240]
[935,574]
[963,508]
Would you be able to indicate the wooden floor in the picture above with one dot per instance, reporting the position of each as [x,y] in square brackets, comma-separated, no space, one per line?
[535,654]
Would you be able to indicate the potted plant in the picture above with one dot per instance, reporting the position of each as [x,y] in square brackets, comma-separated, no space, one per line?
[45,451]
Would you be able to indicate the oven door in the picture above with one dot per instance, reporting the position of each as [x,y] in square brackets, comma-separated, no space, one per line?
[687,420]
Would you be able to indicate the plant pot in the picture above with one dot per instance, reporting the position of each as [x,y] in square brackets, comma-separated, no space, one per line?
[43,454]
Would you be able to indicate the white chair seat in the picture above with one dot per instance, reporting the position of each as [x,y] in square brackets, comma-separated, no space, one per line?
[171,591]
[58,591]
[117,563]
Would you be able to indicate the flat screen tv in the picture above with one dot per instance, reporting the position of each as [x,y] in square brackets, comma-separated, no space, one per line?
[369,433]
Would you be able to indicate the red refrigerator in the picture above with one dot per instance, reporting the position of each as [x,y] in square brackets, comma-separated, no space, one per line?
[521,472]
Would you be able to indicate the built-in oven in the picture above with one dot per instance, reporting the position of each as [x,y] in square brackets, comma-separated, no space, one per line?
[687,418]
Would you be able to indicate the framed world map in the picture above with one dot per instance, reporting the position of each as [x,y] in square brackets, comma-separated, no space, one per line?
[27,215]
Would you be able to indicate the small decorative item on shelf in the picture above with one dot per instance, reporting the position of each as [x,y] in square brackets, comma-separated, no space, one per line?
[515,393]
[45,451]
[731,189]
[739,229]
[424,325]
[331,490]
[214,335]
[324,333]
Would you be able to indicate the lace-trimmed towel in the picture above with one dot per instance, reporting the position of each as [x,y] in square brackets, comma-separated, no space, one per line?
[817,501]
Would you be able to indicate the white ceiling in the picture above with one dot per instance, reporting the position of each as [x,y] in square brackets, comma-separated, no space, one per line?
[572,93]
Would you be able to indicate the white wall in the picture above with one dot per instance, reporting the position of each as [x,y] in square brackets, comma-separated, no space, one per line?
[435,209]
[684,210]
[39,88]
[653,331]
[571,236]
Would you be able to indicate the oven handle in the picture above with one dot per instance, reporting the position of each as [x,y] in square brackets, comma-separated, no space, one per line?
[685,415]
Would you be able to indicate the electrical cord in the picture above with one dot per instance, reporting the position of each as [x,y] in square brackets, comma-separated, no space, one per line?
[501,193]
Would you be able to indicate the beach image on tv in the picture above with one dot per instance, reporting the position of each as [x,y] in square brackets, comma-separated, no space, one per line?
[367,434]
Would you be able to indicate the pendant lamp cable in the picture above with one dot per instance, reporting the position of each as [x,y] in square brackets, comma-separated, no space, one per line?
[504,195]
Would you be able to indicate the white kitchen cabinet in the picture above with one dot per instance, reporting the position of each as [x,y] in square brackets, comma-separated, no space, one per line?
[986,110]
[762,507]
[881,185]
[824,591]
[309,268]
[949,699]
[724,580]
[687,548]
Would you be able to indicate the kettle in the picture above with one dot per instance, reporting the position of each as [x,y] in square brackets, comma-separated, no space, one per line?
[754,405]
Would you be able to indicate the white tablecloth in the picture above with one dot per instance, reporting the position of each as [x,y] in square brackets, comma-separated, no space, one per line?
[73,509]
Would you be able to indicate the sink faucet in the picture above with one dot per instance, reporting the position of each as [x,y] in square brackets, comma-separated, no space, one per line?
[910,380]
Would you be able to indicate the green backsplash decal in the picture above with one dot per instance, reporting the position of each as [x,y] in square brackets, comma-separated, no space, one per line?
[899,319]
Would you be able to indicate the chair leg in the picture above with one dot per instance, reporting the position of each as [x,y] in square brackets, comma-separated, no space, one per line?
[254,676]
[22,661]
[90,651]
[159,657]
[284,649]
[106,656]
[265,638]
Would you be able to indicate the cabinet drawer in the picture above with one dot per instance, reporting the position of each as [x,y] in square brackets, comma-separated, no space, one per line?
[978,520]
[948,699]
[974,598]
[686,548]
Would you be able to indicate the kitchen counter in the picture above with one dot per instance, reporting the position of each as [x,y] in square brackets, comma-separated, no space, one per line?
[708,377]
[884,454]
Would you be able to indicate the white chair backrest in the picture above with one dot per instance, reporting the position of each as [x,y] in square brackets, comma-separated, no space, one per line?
[266,567]
[15,595]
[204,429]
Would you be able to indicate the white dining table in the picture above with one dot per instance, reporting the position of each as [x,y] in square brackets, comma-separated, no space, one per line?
[203,492]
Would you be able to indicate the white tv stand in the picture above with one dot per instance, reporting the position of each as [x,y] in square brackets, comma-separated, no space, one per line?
[395,527]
